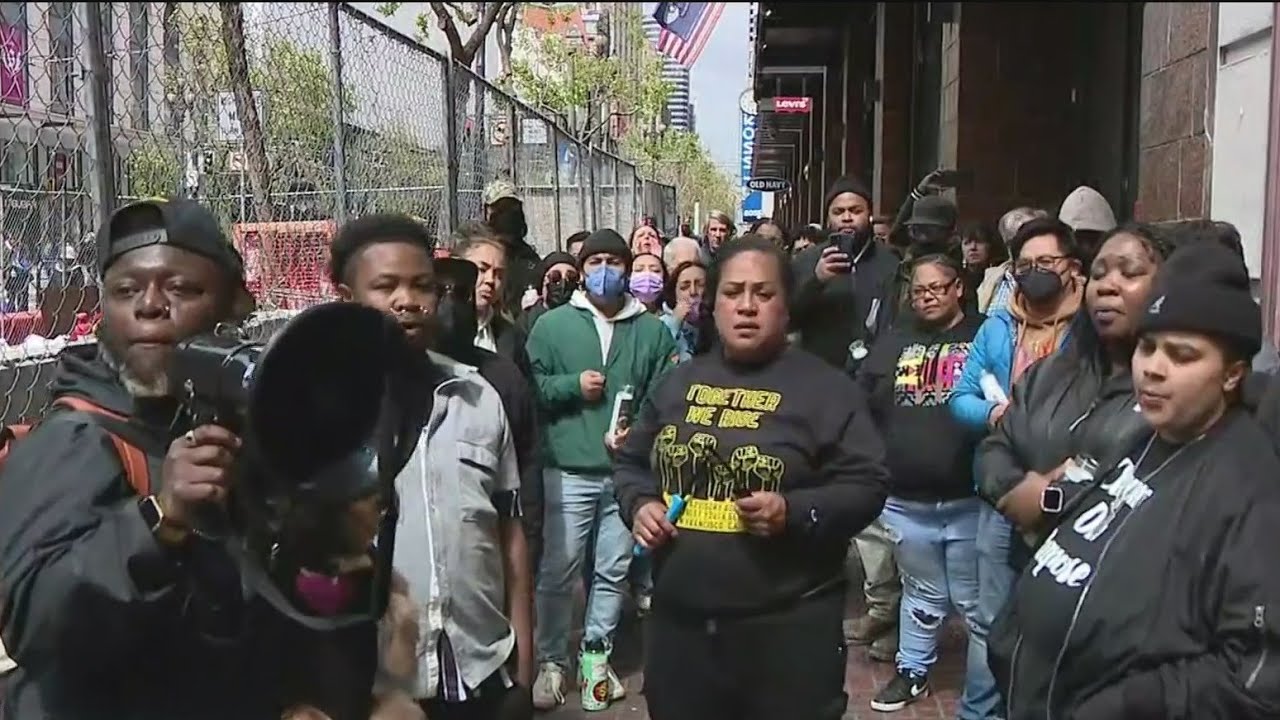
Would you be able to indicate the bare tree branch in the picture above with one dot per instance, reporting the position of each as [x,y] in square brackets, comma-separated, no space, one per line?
[465,52]
[506,34]
[463,13]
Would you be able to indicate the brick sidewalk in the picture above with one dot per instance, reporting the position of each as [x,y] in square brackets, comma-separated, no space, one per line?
[862,681]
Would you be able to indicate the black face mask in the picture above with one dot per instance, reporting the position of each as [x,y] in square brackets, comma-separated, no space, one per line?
[509,223]
[1038,285]
[928,240]
[558,293]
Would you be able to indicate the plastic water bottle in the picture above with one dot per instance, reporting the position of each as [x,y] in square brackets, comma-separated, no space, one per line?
[593,682]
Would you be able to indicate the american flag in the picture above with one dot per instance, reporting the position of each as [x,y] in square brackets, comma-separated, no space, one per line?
[686,27]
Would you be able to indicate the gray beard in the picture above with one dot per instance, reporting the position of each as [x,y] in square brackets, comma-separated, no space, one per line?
[135,386]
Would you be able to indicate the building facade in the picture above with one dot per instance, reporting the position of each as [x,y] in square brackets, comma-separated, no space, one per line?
[679,111]
[1164,108]
[44,108]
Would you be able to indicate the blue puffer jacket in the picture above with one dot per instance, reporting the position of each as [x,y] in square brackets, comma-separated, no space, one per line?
[991,352]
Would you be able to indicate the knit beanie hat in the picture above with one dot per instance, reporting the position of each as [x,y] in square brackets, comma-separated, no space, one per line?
[606,240]
[556,257]
[1204,288]
[846,184]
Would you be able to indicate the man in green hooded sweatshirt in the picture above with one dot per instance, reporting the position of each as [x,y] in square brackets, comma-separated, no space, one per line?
[583,353]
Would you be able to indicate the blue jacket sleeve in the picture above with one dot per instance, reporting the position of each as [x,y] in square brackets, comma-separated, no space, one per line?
[968,405]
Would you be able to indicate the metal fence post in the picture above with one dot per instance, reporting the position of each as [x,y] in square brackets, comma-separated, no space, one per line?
[102,178]
[637,203]
[339,115]
[591,179]
[451,147]
[513,140]
[554,139]
[584,158]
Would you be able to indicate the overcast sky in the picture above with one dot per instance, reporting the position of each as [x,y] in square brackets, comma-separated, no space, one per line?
[716,81]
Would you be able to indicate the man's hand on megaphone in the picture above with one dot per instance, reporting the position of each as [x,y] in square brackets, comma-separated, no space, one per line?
[196,470]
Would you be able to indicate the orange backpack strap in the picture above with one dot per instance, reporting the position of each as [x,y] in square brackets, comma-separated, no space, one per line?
[132,458]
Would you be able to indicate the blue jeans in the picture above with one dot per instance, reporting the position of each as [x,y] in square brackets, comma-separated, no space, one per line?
[580,512]
[935,544]
[995,584]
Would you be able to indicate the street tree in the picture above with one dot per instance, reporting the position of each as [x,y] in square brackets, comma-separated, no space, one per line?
[587,89]
[476,21]
[297,130]
[448,17]
[678,158]
[584,85]
[254,140]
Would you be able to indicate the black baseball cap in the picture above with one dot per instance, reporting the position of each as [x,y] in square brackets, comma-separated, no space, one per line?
[178,222]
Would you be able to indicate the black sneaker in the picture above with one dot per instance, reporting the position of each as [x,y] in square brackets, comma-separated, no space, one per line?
[905,688]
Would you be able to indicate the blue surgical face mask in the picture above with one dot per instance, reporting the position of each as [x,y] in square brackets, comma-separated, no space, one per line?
[604,281]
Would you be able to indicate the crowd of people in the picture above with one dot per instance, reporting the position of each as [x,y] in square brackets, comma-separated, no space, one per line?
[1061,429]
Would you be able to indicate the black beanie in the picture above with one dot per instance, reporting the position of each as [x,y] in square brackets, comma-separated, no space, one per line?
[1204,288]
[605,241]
[846,184]
[553,258]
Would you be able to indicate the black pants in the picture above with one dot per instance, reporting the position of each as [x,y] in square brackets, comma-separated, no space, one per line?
[788,664]
[494,702]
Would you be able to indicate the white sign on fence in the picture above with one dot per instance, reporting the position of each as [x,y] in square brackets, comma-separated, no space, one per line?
[229,116]
[533,131]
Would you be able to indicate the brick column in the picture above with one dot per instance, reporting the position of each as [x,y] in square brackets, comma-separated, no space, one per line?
[891,179]
[1174,167]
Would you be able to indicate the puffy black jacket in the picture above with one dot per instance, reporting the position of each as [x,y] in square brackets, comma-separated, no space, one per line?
[1179,619]
[1063,406]
[104,622]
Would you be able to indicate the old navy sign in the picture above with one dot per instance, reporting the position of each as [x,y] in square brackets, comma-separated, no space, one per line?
[769,184]
[792,104]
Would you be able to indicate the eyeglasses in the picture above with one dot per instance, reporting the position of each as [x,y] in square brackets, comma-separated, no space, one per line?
[569,278]
[1043,262]
[920,292]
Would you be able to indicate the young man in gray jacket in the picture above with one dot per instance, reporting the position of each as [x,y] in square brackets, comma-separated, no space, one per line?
[460,544]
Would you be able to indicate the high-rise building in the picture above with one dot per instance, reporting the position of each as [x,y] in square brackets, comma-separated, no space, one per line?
[679,113]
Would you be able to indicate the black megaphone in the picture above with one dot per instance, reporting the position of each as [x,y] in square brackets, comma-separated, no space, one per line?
[328,411]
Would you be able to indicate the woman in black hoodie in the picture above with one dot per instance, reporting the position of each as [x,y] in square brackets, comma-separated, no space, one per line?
[774,457]
[1153,595]
[932,510]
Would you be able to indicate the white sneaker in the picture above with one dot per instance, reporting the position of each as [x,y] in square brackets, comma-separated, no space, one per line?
[548,689]
[617,690]
[644,603]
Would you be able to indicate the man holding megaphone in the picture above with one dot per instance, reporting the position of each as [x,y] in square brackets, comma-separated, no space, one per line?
[112,606]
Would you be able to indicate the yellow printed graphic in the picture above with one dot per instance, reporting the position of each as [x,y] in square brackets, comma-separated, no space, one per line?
[710,516]
[710,475]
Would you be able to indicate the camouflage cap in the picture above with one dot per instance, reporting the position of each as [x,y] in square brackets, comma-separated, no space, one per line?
[499,189]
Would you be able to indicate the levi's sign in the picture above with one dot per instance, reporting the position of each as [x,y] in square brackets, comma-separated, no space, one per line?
[769,184]
[792,104]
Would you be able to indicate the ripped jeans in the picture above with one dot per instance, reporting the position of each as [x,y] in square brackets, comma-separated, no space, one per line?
[935,543]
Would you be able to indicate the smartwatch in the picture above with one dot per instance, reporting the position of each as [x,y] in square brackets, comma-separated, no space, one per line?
[1052,500]
[164,530]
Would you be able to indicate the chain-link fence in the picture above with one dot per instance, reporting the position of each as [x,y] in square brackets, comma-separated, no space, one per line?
[285,119]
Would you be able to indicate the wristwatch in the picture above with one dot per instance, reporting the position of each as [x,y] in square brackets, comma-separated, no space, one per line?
[1052,500]
[165,530]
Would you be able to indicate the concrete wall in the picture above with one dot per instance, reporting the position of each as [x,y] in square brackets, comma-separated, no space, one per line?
[1178,73]
[1242,117]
